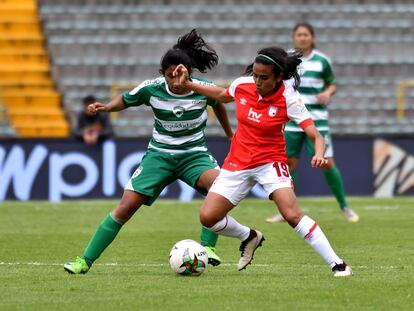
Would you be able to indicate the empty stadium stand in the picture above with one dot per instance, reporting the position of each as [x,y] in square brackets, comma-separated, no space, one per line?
[95,45]
[29,99]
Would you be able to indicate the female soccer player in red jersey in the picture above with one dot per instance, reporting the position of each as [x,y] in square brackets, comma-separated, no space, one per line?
[264,104]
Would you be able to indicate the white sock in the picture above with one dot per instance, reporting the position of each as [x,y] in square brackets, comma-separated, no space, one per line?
[310,231]
[228,226]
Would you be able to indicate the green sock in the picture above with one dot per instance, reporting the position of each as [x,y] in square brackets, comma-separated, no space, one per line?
[104,235]
[334,179]
[294,177]
[208,238]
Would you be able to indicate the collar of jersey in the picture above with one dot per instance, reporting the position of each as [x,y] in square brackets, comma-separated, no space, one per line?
[304,59]
[177,95]
[272,97]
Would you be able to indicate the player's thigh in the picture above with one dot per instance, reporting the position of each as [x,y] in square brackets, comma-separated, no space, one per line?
[273,176]
[234,186]
[328,145]
[155,172]
[294,142]
[197,169]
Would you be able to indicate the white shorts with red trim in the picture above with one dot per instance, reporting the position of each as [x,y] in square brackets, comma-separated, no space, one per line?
[235,186]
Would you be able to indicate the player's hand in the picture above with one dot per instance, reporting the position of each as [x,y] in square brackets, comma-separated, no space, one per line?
[318,161]
[182,73]
[323,97]
[97,107]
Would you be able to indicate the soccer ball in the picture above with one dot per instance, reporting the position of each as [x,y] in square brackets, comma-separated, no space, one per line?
[187,257]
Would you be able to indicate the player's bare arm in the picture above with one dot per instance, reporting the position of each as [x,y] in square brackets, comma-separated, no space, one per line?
[215,92]
[318,159]
[221,114]
[117,104]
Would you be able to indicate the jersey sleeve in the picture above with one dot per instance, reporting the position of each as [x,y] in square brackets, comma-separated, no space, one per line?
[231,91]
[296,109]
[210,101]
[328,74]
[137,96]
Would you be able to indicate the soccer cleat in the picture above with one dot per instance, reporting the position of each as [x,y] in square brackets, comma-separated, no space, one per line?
[213,259]
[350,215]
[275,218]
[248,247]
[79,266]
[342,269]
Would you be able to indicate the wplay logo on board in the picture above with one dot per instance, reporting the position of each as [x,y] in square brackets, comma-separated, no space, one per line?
[393,169]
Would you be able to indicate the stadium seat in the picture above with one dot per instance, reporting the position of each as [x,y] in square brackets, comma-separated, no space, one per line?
[27,90]
[102,43]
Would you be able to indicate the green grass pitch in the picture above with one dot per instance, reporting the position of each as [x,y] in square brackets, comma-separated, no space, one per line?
[37,238]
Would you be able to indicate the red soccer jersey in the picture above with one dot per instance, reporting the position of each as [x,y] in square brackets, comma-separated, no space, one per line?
[260,122]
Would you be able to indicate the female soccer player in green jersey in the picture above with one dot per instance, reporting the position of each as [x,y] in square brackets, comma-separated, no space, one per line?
[177,149]
[317,86]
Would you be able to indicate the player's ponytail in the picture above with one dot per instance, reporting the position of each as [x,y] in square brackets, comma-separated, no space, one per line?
[285,63]
[192,51]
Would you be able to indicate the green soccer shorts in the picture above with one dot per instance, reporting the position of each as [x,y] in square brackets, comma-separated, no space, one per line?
[295,140]
[158,169]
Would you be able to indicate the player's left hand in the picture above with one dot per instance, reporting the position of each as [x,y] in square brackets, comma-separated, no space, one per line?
[323,97]
[318,161]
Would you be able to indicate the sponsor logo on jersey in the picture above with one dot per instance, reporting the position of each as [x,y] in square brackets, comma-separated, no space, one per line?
[178,111]
[254,116]
[272,111]
[243,101]
[174,126]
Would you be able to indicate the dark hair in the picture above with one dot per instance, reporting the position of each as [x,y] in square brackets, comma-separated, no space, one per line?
[285,63]
[90,99]
[192,51]
[309,27]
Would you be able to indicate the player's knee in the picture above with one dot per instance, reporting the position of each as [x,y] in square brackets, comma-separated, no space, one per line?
[124,212]
[207,219]
[293,216]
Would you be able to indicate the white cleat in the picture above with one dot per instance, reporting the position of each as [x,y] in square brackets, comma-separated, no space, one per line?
[341,270]
[275,218]
[350,215]
[248,247]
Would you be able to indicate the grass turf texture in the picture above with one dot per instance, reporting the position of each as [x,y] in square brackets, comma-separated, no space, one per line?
[36,238]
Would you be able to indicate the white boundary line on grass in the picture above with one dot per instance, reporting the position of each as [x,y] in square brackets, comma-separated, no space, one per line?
[114,264]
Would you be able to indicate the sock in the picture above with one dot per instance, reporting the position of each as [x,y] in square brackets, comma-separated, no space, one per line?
[208,238]
[310,231]
[228,226]
[104,235]
[334,179]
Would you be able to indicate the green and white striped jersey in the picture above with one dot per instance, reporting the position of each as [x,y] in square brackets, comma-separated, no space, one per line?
[179,120]
[316,75]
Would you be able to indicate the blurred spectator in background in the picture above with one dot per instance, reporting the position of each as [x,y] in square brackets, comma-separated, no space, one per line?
[92,128]
[318,84]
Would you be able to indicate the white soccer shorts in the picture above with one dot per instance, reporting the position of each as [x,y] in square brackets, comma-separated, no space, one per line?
[235,186]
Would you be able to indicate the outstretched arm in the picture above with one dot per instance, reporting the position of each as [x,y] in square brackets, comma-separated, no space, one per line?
[215,92]
[221,114]
[117,104]
[318,159]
